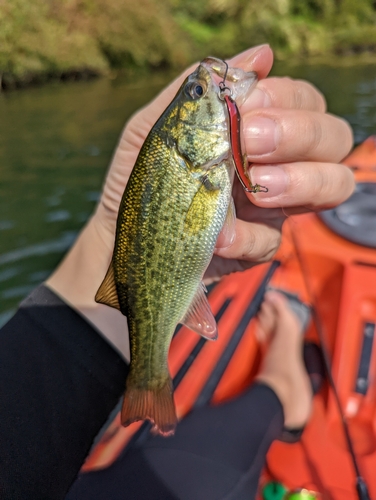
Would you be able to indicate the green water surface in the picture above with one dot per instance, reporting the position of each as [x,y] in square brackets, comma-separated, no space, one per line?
[56,142]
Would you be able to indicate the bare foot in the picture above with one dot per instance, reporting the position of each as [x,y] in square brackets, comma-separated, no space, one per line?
[283,368]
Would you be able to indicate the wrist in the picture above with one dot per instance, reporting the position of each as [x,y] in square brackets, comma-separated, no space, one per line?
[82,270]
[78,277]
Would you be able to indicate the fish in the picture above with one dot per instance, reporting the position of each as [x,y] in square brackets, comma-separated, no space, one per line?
[175,204]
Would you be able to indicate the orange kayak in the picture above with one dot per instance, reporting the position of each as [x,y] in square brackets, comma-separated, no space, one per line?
[329,260]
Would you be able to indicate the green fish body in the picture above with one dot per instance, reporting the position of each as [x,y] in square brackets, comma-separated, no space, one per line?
[172,211]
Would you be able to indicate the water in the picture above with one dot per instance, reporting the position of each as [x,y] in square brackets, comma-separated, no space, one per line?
[55,146]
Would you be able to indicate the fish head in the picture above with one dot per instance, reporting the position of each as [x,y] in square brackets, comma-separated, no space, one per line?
[197,120]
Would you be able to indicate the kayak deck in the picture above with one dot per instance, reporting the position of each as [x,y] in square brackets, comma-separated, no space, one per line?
[341,279]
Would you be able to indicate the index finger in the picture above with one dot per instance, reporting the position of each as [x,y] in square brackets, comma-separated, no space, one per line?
[285,93]
[259,59]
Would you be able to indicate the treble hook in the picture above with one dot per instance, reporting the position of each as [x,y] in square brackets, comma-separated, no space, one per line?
[255,188]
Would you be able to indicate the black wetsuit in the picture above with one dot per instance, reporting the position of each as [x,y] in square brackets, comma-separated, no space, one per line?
[60,380]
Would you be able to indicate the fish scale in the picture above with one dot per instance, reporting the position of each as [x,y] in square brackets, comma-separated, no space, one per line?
[176,263]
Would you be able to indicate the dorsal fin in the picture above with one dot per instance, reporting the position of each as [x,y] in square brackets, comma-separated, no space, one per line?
[107,293]
[199,316]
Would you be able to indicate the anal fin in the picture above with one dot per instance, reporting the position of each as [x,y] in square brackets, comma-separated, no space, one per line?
[199,316]
[107,293]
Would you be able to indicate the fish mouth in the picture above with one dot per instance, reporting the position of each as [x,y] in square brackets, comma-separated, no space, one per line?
[239,82]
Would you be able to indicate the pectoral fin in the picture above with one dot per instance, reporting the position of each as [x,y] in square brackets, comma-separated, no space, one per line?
[199,316]
[107,293]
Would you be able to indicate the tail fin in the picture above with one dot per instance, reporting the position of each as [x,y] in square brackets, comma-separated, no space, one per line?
[157,405]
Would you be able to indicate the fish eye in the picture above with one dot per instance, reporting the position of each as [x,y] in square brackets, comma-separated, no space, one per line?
[199,90]
[194,90]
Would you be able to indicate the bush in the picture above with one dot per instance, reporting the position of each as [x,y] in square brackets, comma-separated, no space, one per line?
[44,38]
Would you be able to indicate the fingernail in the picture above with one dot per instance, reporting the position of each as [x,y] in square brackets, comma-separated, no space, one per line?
[246,57]
[261,135]
[272,177]
[253,50]
[257,99]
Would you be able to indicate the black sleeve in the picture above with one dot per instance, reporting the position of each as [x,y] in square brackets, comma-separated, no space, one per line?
[59,381]
[217,453]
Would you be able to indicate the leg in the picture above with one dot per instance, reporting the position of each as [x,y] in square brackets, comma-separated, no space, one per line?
[217,453]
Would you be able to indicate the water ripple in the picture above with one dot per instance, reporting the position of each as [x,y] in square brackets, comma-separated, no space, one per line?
[45,248]
[93,195]
[17,291]
[6,224]
[58,215]
[9,273]
[39,276]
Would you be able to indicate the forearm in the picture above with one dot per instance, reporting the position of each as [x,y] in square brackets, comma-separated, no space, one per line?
[59,381]
[78,278]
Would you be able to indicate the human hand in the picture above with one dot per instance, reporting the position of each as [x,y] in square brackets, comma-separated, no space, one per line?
[294,147]
[298,162]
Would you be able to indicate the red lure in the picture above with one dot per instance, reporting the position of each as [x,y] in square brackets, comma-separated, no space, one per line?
[236,147]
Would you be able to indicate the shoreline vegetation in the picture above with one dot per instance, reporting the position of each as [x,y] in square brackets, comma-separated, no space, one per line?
[76,39]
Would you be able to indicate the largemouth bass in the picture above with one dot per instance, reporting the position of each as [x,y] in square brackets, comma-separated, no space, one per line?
[173,208]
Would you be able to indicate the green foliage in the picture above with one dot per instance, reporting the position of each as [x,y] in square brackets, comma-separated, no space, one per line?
[297,28]
[35,42]
[139,33]
[356,39]
[40,38]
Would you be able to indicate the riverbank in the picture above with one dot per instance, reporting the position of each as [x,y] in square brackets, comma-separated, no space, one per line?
[79,39]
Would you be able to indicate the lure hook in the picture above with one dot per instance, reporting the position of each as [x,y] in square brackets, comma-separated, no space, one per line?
[223,89]
[256,188]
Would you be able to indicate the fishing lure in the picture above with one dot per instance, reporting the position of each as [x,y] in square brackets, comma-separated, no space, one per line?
[235,137]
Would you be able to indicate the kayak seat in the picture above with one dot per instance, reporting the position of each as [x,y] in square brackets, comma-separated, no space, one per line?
[355,219]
